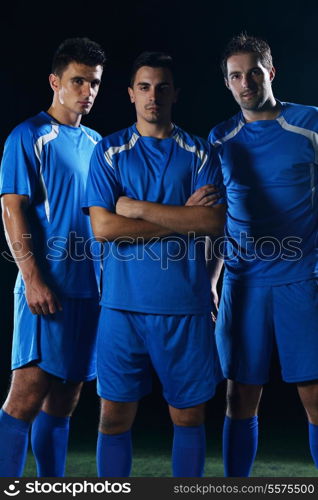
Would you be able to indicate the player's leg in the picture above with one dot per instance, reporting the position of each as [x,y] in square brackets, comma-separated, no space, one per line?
[67,350]
[308,392]
[244,337]
[296,320]
[240,430]
[183,353]
[50,429]
[29,387]
[123,377]
[189,442]
[114,446]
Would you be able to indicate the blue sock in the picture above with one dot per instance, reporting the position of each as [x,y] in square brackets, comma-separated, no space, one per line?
[240,439]
[49,439]
[313,442]
[114,454]
[188,451]
[14,445]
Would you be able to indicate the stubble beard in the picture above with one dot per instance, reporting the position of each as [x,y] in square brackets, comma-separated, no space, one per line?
[154,119]
[255,104]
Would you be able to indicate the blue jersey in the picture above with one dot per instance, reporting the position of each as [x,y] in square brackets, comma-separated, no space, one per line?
[164,275]
[270,173]
[49,162]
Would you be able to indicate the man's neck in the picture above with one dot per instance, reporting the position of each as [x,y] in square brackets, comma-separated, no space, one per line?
[159,131]
[269,111]
[64,117]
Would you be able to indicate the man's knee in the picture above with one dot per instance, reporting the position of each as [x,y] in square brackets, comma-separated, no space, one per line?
[188,417]
[29,386]
[62,398]
[242,399]
[308,392]
[116,417]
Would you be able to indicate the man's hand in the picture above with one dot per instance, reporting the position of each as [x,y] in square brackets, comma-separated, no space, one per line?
[40,299]
[205,196]
[127,207]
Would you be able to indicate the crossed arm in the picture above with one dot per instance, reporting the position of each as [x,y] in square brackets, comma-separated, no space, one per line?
[135,219]
[179,219]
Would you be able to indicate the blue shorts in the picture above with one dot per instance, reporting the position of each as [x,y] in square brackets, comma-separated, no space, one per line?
[63,344]
[251,319]
[181,349]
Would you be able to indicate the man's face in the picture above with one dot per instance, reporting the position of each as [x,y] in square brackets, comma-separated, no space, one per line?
[77,87]
[249,81]
[153,94]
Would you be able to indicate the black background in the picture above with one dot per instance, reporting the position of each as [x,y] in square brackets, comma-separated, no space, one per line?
[194,33]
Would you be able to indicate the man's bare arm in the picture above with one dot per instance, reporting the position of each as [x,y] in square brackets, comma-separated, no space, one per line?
[40,299]
[214,264]
[108,226]
[201,220]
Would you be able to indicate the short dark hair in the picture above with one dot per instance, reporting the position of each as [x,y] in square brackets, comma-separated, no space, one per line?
[79,50]
[246,43]
[154,60]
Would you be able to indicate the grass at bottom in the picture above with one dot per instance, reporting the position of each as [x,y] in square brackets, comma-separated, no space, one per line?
[82,464]
[151,464]
[283,451]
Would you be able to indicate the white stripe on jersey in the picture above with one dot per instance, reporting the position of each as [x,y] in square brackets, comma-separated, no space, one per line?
[38,147]
[192,149]
[312,136]
[89,136]
[230,135]
[109,153]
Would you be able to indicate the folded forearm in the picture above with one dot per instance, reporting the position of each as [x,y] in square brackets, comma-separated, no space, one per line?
[116,227]
[184,219]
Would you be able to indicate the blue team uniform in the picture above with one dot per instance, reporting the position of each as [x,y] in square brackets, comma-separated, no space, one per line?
[48,162]
[270,289]
[154,281]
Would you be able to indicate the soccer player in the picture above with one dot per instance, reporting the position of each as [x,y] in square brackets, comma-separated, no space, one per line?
[268,153]
[43,175]
[156,303]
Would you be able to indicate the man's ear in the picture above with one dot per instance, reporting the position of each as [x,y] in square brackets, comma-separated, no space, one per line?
[226,83]
[272,74]
[54,82]
[131,94]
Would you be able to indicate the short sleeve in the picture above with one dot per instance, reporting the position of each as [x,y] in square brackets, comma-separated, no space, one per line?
[19,165]
[209,172]
[102,188]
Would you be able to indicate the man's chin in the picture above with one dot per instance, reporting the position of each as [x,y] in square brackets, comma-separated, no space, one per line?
[154,120]
[252,105]
[84,110]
